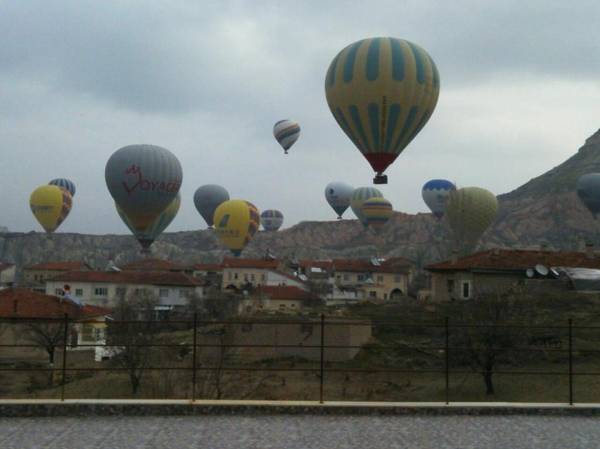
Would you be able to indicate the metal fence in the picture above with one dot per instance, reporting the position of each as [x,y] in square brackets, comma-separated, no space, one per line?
[444,351]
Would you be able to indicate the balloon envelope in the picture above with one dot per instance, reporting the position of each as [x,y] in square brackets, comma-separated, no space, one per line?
[50,206]
[64,184]
[339,195]
[286,132]
[588,191]
[377,212]
[236,222]
[271,220]
[359,196]
[382,91]
[435,194]
[207,198]
[147,235]
[470,211]
[143,180]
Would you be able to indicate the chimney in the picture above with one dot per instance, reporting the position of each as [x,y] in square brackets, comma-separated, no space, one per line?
[589,250]
[454,257]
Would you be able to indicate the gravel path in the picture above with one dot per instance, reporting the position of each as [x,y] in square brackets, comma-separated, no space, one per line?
[306,432]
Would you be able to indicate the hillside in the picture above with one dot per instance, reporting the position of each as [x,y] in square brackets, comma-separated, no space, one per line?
[544,210]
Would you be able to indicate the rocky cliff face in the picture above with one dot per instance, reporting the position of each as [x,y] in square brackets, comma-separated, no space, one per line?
[543,211]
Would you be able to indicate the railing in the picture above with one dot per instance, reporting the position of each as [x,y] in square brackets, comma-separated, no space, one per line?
[447,361]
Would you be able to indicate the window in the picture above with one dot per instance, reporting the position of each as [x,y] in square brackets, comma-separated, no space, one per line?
[163,292]
[182,293]
[379,278]
[398,278]
[252,277]
[372,294]
[450,285]
[346,277]
[466,289]
[235,275]
[59,292]
[100,291]
[87,332]
[79,292]
[246,277]
[385,296]
[360,277]
[281,306]
[292,305]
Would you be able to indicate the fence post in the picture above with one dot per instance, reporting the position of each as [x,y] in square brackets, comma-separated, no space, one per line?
[322,370]
[64,359]
[570,361]
[194,357]
[447,367]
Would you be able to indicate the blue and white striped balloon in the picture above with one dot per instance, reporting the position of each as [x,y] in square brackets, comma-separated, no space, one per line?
[286,132]
[271,220]
[64,184]
[435,194]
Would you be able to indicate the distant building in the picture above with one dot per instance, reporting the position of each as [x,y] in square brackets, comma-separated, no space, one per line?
[89,327]
[7,275]
[284,299]
[359,279]
[241,273]
[35,276]
[211,273]
[498,270]
[104,288]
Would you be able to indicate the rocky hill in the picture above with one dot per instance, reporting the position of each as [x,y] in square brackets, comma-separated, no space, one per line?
[545,210]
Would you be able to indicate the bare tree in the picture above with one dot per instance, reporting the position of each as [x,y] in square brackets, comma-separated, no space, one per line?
[491,333]
[48,335]
[133,332]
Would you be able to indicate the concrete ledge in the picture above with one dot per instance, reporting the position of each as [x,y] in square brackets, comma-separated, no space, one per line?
[49,408]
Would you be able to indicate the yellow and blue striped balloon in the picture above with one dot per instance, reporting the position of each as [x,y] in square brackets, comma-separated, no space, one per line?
[377,212]
[382,91]
[359,196]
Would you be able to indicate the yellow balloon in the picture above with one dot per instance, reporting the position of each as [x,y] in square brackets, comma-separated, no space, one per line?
[236,222]
[50,205]
[377,211]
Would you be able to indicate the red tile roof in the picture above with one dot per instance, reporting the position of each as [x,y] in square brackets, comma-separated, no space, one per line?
[5,266]
[131,277]
[60,266]
[265,264]
[153,265]
[207,267]
[510,259]
[323,264]
[25,303]
[395,265]
[290,293]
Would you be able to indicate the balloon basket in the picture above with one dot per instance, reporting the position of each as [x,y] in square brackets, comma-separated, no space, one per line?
[380,179]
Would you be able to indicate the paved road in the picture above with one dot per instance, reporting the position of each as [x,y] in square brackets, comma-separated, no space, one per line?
[305,432]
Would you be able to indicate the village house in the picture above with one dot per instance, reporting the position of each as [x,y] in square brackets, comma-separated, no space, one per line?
[241,273]
[87,325]
[7,275]
[497,270]
[282,299]
[104,288]
[35,276]
[358,279]
[211,273]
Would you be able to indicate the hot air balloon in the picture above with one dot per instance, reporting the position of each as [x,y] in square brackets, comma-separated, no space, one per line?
[435,194]
[207,198]
[588,191]
[143,180]
[359,196]
[470,211]
[339,195]
[236,222]
[382,91]
[377,212]
[147,236]
[64,184]
[286,132]
[271,220]
[50,206]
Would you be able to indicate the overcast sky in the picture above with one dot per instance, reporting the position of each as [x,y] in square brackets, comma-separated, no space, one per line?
[520,92]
